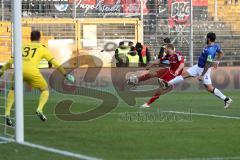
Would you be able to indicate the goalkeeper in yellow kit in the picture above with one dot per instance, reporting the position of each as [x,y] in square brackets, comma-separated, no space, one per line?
[32,54]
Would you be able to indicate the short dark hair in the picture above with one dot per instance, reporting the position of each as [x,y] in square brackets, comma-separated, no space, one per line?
[130,43]
[166,40]
[138,45]
[35,35]
[211,36]
[121,43]
[170,46]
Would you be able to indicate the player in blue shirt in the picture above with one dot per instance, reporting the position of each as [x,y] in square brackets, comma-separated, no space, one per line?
[208,54]
[210,57]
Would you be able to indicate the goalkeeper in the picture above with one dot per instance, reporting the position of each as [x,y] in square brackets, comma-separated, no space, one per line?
[32,54]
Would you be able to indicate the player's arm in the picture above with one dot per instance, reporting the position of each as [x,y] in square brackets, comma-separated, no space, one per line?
[156,62]
[163,60]
[48,56]
[181,66]
[69,77]
[6,67]
[219,57]
[58,66]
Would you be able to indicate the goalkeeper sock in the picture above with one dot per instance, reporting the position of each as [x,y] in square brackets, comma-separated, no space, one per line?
[219,94]
[176,80]
[43,100]
[154,98]
[144,77]
[10,101]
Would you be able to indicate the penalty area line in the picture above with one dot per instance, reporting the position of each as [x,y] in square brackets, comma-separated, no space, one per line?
[52,150]
[204,114]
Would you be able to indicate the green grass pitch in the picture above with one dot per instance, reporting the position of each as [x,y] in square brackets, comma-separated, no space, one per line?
[112,137]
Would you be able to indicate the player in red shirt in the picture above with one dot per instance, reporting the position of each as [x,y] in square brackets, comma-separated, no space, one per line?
[176,62]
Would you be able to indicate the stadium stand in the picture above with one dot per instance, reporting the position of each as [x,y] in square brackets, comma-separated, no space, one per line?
[226,27]
[157,25]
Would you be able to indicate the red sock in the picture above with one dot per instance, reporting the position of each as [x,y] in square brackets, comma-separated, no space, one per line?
[154,98]
[144,77]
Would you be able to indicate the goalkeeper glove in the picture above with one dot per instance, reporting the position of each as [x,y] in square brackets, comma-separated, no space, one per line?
[70,78]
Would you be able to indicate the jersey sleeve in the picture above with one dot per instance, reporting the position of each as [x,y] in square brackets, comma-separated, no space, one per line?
[46,54]
[218,49]
[165,59]
[180,57]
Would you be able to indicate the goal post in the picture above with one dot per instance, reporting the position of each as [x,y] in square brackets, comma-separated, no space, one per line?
[18,77]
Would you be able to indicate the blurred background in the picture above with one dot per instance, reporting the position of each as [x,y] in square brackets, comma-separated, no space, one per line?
[95,27]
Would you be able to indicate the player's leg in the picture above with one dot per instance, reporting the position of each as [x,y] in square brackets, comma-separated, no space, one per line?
[191,72]
[152,74]
[146,76]
[43,99]
[43,87]
[134,80]
[178,79]
[10,101]
[157,94]
[161,91]
[37,81]
[42,102]
[210,88]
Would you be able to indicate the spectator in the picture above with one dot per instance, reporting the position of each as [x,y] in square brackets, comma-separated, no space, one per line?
[121,55]
[236,2]
[131,45]
[143,53]
[132,59]
[231,2]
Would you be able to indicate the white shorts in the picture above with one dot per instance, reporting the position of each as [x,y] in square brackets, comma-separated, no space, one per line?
[196,71]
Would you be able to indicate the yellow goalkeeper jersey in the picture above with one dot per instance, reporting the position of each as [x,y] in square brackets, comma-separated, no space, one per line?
[33,53]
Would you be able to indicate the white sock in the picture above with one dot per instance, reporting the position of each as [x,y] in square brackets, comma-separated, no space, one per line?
[219,94]
[176,80]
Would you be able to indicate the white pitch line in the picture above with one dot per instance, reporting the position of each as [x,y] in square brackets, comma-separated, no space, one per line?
[58,151]
[204,114]
[48,149]
[53,150]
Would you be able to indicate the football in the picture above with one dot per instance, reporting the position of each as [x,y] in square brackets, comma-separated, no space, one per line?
[133,79]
